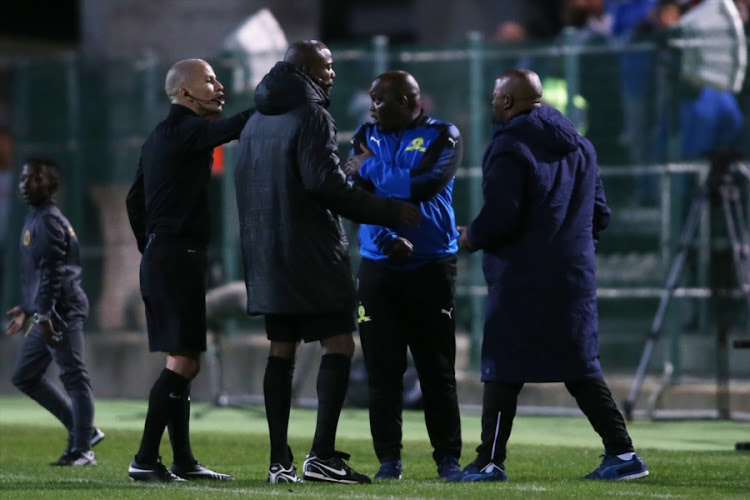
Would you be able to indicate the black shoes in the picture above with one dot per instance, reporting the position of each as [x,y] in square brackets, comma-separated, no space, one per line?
[76,457]
[97,436]
[198,471]
[277,473]
[73,456]
[332,470]
[155,471]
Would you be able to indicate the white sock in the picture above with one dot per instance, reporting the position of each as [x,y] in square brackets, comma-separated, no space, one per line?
[626,456]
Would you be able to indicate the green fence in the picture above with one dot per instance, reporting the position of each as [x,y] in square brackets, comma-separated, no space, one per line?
[93,117]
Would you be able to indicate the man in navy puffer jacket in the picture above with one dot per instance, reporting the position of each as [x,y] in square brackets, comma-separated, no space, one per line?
[544,207]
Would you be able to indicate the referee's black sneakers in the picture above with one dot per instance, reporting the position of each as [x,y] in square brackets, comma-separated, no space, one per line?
[198,471]
[155,471]
[332,470]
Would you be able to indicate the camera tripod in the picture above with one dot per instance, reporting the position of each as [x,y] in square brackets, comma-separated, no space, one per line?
[718,189]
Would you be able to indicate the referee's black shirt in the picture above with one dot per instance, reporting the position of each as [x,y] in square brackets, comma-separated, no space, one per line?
[170,191]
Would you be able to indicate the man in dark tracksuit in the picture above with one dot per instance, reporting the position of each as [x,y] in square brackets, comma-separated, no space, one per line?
[291,194]
[54,309]
[168,211]
[544,208]
[407,276]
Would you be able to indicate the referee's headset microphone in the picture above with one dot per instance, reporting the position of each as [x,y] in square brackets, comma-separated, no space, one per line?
[187,94]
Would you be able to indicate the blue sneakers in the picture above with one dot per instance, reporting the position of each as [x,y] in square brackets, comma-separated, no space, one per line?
[449,469]
[616,468]
[490,472]
[390,469]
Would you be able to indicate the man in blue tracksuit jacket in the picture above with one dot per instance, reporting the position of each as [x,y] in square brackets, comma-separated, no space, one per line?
[407,275]
[544,207]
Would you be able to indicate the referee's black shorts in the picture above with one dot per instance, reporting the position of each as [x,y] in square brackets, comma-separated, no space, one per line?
[173,287]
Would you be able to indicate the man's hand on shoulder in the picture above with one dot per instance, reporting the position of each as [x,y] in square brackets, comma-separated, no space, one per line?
[354,162]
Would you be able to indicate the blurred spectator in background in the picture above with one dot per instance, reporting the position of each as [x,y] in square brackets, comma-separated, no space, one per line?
[510,32]
[6,190]
[636,69]
[710,120]
[637,87]
[598,77]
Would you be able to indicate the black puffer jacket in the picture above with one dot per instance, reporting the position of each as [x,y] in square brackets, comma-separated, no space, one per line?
[290,193]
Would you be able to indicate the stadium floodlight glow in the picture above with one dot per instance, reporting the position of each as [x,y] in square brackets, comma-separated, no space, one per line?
[713,46]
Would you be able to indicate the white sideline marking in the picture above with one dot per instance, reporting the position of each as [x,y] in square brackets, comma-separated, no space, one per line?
[643,494]
[270,491]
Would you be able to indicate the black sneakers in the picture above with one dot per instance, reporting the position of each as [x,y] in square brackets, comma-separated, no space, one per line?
[198,471]
[278,474]
[155,471]
[76,457]
[68,456]
[97,436]
[332,470]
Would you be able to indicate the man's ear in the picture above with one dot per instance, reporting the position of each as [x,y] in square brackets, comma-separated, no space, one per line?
[507,101]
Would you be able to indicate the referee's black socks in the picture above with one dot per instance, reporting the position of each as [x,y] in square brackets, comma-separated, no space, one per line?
[333,380]
[165,400]
[179,429]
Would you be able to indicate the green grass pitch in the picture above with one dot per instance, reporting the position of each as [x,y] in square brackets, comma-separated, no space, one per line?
[547,458]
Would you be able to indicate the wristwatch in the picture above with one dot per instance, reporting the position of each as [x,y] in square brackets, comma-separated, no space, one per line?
[39,318]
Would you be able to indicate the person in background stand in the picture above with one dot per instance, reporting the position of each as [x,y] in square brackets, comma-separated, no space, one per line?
[544,208]
[53,312]
[168,210]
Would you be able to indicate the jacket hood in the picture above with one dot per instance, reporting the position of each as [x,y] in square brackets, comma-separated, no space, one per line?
[544,128]
[285,88]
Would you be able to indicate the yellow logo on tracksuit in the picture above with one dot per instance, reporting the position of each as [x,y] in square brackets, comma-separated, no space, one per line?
[416,145]
[361,315]
[26,238]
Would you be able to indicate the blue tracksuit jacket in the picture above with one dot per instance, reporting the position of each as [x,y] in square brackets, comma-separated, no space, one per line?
[418,164]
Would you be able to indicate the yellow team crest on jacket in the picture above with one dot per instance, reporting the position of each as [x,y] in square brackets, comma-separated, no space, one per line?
[417,145]
[71,232]
[362,315]
[26,238]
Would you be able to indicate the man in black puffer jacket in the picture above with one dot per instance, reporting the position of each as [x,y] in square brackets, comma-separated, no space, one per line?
[290,194]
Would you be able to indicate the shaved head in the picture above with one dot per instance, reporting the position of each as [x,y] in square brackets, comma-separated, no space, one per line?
[401,83]
[314,59]
[192,83]
[181,74]
[516,91]
[395,100]
[304,53]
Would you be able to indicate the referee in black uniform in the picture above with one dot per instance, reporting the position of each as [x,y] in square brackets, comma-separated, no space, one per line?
[168,211]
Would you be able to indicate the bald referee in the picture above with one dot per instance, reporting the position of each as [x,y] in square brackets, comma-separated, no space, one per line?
[168,211]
